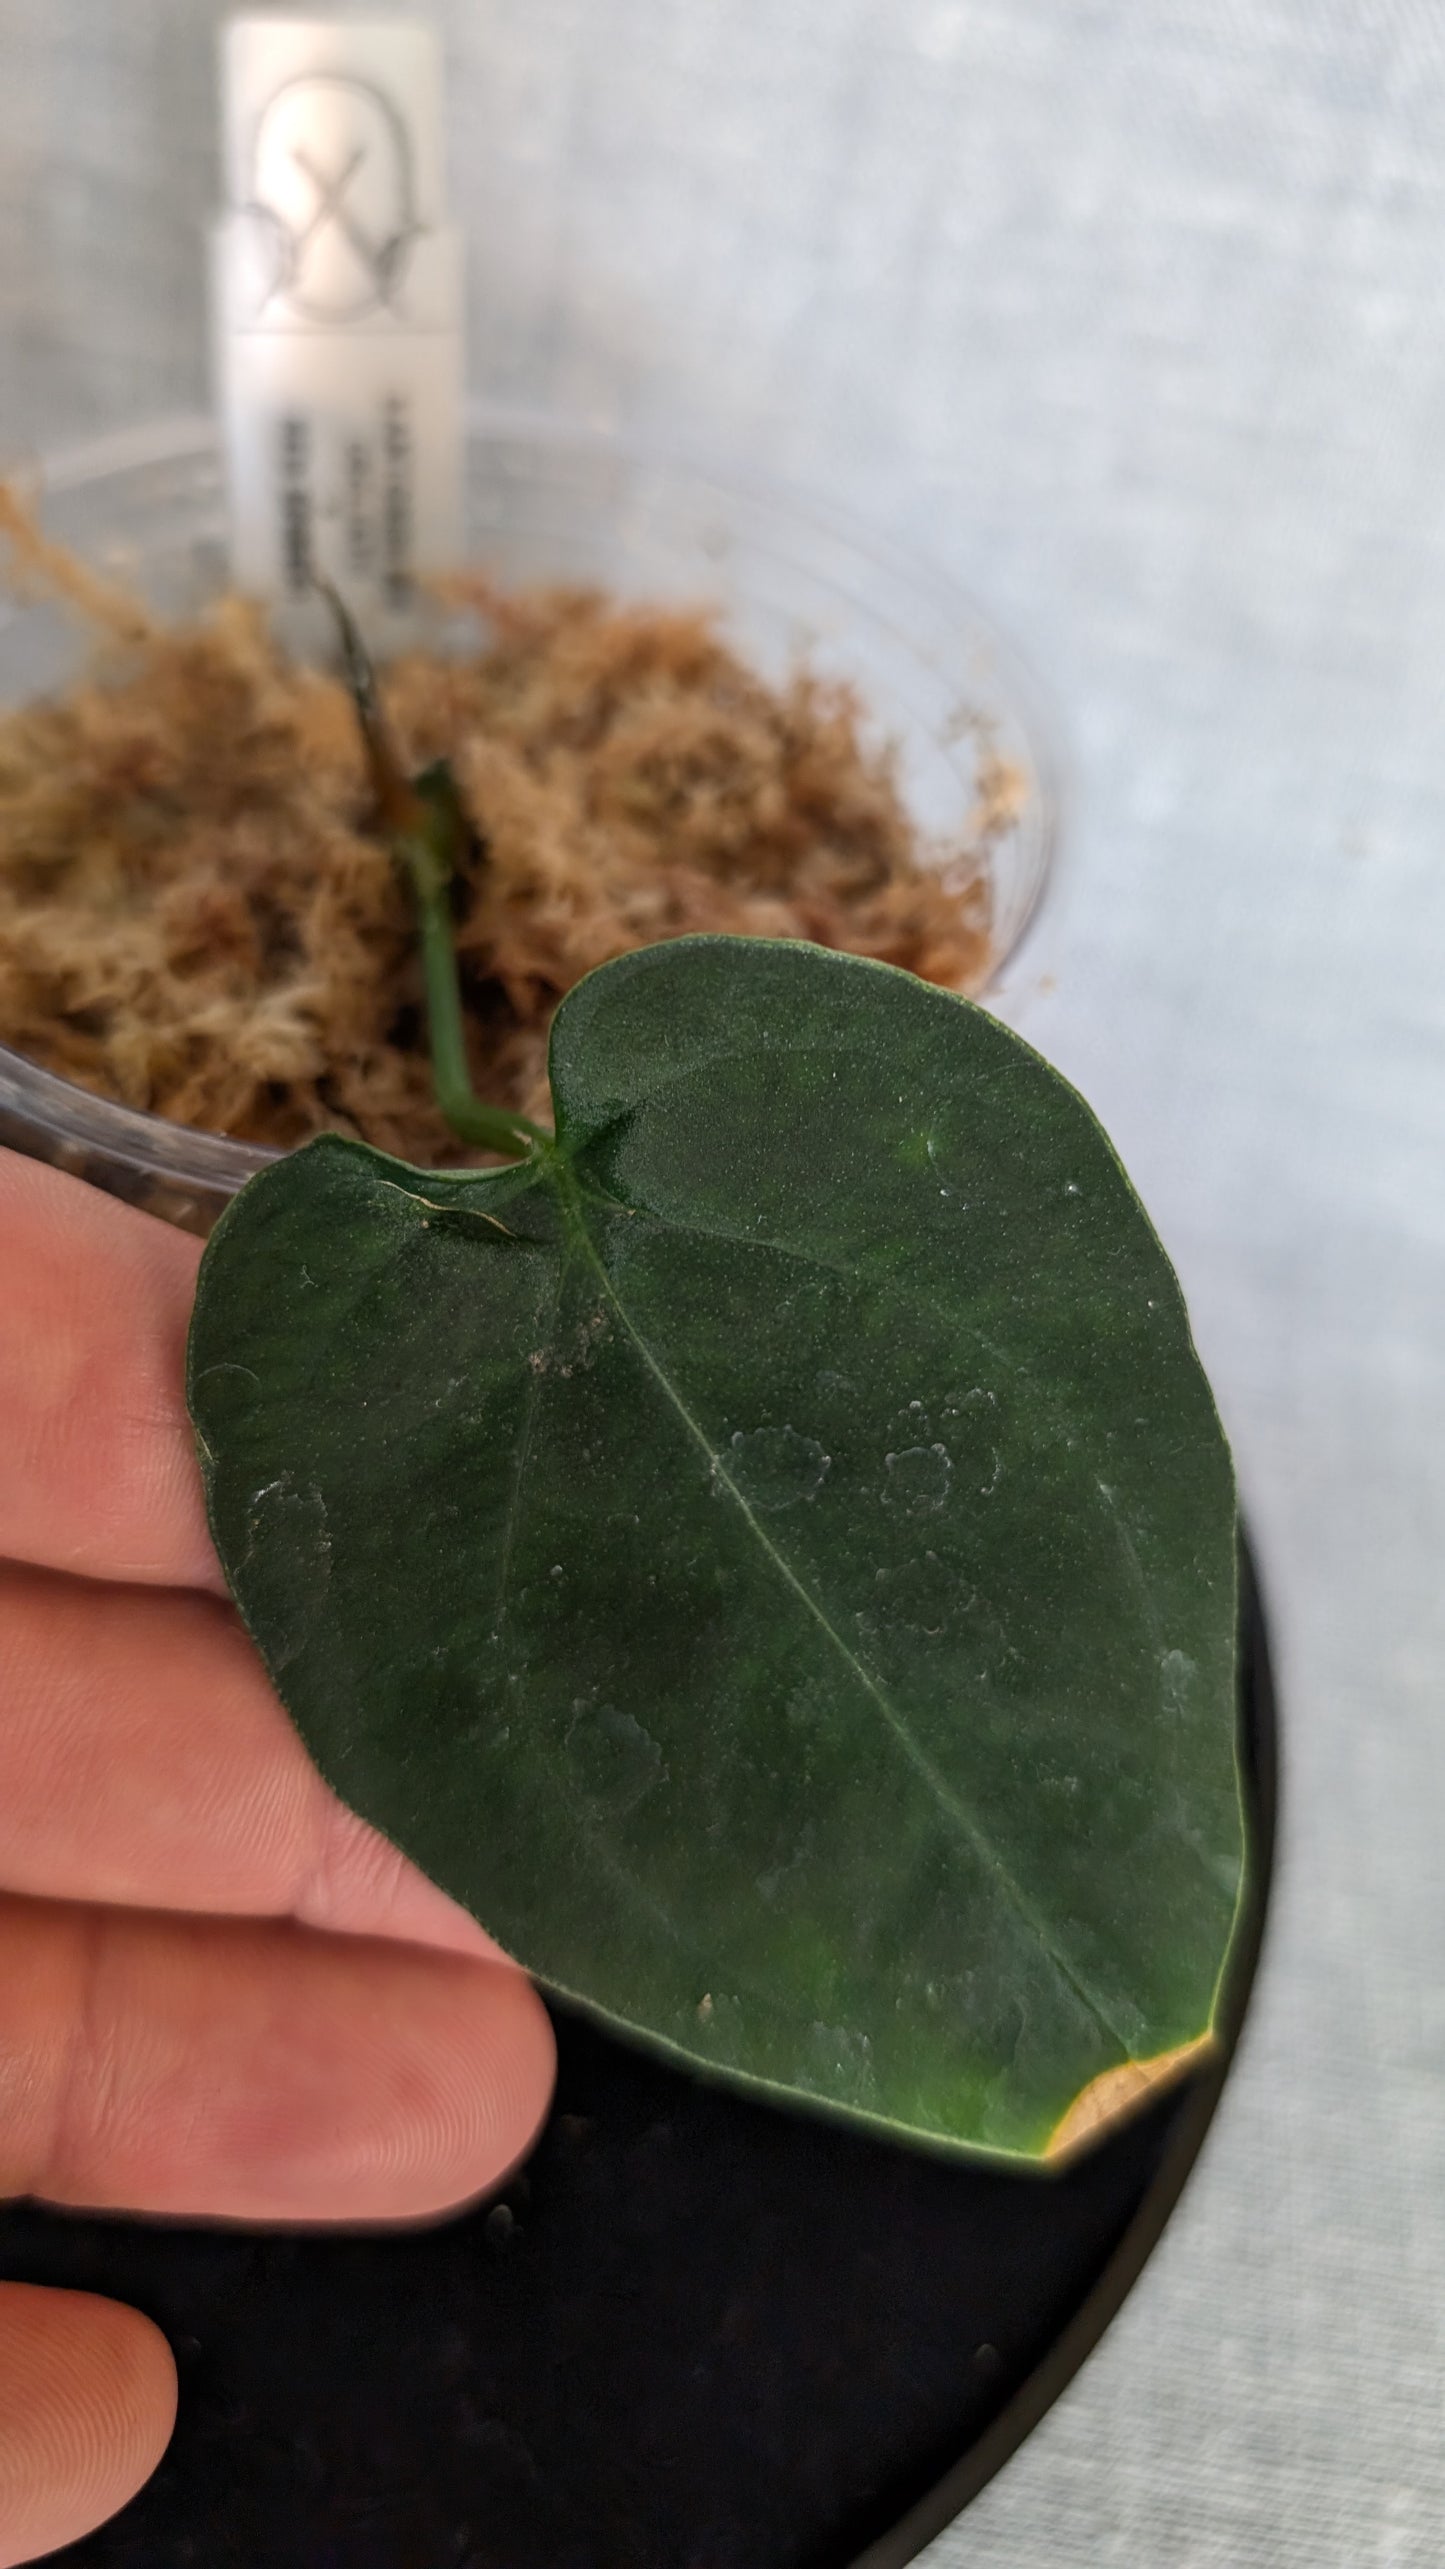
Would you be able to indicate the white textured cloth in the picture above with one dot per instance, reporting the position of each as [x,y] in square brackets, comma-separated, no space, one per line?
[1133,311]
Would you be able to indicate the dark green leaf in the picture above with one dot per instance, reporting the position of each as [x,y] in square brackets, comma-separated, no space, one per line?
[772,1557]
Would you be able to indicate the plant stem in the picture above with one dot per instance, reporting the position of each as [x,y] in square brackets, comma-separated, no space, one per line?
[491,1126]
[427,828]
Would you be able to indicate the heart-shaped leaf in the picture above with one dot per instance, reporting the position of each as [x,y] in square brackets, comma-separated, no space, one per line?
[771,1555]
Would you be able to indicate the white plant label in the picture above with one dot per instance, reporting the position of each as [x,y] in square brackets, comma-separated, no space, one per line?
[337,307]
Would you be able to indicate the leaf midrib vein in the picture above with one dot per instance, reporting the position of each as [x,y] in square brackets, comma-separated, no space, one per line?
[976,1837]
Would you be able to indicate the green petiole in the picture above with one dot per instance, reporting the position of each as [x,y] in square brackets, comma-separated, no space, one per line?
[427,829]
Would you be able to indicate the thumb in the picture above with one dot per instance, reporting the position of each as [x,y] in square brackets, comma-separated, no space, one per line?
[87,2404]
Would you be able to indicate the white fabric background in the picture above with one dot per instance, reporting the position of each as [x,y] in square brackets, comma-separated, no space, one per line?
[1133,312]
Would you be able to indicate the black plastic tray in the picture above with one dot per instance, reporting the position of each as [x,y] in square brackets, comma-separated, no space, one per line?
[697,2334]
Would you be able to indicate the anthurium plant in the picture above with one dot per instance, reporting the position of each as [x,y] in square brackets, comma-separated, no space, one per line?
[768,1549]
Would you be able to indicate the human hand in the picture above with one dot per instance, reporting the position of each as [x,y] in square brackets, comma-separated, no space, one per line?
[220,1993]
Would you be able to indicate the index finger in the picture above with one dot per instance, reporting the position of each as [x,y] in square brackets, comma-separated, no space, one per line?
[98,1472]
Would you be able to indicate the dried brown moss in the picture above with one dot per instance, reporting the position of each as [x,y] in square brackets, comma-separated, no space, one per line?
[195,917]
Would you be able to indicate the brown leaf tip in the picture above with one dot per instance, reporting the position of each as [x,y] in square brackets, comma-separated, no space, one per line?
[1117,2093]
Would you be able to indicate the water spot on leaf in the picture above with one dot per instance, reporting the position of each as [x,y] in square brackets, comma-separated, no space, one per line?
[1177,1670]
[795,1860]
[289,1539]
[773,1467]
[613,1761]
[844,2059]
[911,1425]
[809,1706]
[588,1335]
[921,1597]
[917,1479]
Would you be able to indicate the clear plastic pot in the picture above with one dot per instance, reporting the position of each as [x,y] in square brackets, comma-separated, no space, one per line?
[552,500]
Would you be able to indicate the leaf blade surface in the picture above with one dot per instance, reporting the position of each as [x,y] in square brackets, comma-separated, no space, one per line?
[774,1560]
